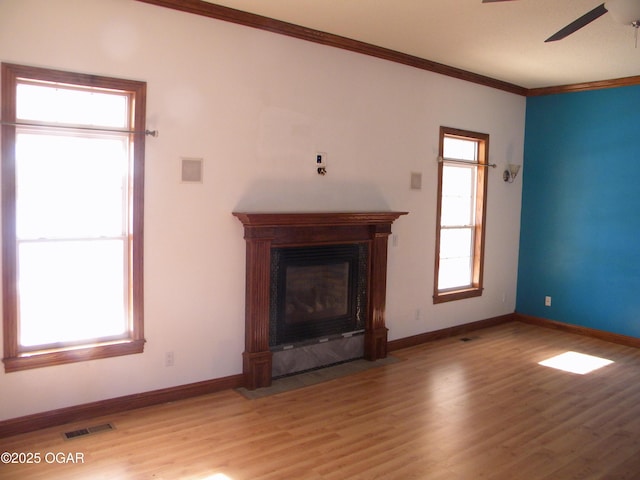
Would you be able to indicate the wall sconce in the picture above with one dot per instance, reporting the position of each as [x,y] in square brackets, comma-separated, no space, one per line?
[510,173]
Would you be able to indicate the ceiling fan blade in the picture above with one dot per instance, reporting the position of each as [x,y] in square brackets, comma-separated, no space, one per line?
[576,25]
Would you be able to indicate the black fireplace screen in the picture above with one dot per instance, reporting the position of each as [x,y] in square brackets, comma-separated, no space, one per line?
[317,292]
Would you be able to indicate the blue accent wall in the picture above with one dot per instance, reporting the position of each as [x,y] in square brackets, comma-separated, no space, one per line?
[580,230]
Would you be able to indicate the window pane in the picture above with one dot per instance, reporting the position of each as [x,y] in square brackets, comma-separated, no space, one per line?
[71,291]
[454,272]
[456,211]
[460,149]
[455,258]
[70,186]
[45,103]
[456,242]
[458,195]
[458,181]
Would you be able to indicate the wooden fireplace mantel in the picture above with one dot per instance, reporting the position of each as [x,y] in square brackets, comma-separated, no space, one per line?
[262,231]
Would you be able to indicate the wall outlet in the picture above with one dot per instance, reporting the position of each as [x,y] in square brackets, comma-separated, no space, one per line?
[416,181]
[547,301]
[169,359]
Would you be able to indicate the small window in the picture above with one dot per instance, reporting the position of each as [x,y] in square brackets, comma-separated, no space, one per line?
[73,173]
[462,193]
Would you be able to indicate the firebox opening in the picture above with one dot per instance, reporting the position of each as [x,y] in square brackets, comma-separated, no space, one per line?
[317,292]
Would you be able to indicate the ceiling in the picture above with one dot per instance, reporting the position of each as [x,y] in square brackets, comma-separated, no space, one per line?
[502,40]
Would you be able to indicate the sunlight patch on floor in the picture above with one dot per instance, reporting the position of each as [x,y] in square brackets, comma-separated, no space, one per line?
[574,362]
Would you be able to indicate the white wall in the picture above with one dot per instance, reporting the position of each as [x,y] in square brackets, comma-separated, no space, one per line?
[257,107]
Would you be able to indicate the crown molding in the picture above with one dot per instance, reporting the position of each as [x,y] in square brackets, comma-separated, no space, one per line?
[581,87]
[227,14]
[206,9]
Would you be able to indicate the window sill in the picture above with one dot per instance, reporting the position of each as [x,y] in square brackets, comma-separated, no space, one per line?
[450,296]
[26,361]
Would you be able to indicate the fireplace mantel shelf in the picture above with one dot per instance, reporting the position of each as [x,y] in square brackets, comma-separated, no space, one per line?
[264,231]
[316,218]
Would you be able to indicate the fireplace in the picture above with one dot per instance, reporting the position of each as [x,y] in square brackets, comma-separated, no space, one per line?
[317,292]
[313,279]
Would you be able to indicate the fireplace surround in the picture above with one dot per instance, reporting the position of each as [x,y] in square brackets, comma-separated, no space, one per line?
[269,233]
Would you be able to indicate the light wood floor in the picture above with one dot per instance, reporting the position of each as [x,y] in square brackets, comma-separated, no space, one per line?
[450,410]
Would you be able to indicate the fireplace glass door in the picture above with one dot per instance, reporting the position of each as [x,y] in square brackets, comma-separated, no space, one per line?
[317,292]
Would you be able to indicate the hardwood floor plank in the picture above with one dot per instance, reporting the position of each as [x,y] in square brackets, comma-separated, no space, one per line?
[481,409]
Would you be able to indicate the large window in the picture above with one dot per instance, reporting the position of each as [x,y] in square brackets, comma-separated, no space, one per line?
[72,198]
[462,195]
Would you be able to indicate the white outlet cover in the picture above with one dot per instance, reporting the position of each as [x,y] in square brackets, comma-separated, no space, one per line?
[416,181]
